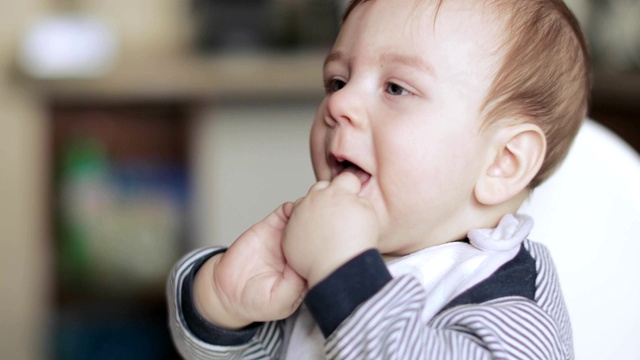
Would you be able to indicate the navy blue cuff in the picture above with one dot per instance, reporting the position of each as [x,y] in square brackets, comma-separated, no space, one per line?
[333,299]
[199,326]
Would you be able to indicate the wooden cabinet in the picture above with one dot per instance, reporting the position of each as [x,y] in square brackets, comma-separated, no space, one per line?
[119,211]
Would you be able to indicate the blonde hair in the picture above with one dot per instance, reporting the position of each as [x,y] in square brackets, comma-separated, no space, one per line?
[544,76]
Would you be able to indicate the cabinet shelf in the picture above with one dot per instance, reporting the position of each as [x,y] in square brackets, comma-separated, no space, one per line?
[245,76]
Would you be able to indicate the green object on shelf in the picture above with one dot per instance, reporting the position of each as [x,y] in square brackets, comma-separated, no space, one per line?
[84,194]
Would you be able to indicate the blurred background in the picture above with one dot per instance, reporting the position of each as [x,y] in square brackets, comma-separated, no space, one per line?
[134,131]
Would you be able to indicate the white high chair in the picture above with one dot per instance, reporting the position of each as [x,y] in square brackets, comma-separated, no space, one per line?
[588,215]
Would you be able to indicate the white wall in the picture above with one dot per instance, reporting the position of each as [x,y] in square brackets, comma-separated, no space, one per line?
[247,159]
[24,257]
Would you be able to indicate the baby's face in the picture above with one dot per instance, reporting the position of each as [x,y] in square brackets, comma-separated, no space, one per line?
[402,112]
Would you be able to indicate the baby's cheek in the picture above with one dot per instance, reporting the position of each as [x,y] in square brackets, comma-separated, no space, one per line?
[318,157]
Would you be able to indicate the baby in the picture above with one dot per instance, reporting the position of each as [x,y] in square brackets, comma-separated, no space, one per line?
[439,119]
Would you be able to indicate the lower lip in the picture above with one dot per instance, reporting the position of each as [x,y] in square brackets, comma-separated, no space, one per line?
[364,187]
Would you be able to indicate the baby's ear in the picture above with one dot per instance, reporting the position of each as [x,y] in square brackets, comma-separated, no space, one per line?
[516,154]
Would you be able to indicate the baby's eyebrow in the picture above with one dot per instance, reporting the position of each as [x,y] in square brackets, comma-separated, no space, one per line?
[411,61]
[333,56]
[407,60]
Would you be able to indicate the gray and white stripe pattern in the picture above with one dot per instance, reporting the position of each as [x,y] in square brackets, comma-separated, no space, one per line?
[388,326]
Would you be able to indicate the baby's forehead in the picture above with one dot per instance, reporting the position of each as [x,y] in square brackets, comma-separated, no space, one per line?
[457,37]
[483,23]
[463,40]
[488,14]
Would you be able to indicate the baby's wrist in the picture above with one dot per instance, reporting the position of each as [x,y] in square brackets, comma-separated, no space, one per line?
[336,297]
[207,301]
[329,264]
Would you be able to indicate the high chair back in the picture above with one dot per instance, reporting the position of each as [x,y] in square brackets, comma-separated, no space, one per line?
[588,215]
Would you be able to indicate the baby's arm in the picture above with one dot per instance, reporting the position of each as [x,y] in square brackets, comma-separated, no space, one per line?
[248,283]
[264,339]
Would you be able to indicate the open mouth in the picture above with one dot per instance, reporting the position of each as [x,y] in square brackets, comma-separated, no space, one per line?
[341,166]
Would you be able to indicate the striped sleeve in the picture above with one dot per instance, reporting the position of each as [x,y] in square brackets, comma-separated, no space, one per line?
[548,293]
[389,326]
[265,344]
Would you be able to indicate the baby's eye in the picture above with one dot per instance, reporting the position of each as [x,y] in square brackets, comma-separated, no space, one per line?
[333,85]
[395,89]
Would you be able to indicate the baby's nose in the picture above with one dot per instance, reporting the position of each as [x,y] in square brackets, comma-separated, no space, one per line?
[344,107]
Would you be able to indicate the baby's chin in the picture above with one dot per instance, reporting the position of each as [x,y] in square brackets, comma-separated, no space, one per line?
[388,258]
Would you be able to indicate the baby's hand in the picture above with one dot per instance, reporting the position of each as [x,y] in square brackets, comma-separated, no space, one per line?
[329,226]
[251,281]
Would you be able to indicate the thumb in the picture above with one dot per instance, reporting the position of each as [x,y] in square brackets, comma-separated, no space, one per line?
[287,209]
[348,182]
[279,218]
